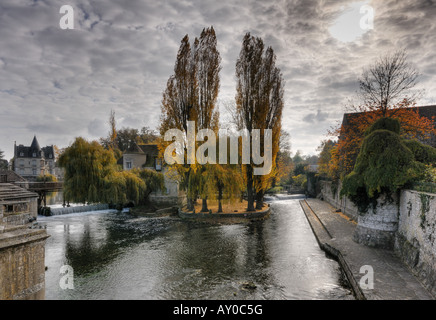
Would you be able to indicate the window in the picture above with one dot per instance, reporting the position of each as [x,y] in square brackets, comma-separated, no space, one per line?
[34,155]
[129,165]
[3,178]
[21,154]
[34,163]
[50,156]
[34,171]
[158,164]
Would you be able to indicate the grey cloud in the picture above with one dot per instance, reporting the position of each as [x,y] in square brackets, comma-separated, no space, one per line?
[122,53]
[317,117]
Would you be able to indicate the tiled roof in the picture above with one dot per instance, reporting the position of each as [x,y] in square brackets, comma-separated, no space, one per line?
[150,149]
[9,192]
[425,111]
[27,152]
[35,145]
[12,176]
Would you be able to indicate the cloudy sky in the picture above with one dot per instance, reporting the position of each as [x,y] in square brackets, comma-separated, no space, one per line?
[60,84]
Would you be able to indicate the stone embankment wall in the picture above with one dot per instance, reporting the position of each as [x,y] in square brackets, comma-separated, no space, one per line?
[415,234]
[22,267]
[330,193]
[22,247]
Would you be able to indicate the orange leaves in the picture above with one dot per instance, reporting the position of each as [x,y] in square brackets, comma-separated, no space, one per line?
[352,130]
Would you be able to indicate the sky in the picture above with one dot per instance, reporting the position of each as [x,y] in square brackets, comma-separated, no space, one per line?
[59,84]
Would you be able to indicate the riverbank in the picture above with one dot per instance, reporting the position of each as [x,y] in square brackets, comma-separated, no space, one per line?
[232,213]
[334,233]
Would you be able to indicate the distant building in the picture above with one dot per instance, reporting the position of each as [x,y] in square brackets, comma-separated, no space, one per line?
[142,156]
[146,156]
[313,168]
[425,111]
[30,162]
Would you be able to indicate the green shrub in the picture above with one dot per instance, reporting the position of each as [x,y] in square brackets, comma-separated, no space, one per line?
[422,153]
[389,124]
[275,190]
[46,178]
[300,180]
[383,166]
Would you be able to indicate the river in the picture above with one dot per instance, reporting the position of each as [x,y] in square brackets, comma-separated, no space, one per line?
[119,256]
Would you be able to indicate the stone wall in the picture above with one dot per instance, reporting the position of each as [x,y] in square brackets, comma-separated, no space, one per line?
[330,193]
[22,267]
[411,226]
[23,212]
[169,201]
[378,226]
[415,239]
[22,248]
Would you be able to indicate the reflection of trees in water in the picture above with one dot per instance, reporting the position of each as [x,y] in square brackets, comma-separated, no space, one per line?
[105,238]
[204,257]
[54,198]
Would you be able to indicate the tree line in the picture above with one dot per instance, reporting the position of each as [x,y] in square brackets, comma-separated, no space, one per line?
[191,95]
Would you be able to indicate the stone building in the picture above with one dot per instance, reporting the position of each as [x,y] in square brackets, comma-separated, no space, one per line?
[22,249]
[146,156]
[30,162]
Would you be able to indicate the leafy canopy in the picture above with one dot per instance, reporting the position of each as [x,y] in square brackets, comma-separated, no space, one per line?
[386,163]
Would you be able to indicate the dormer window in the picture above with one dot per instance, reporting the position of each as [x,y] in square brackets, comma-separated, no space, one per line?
[50,156]
[21,154]
[34,155]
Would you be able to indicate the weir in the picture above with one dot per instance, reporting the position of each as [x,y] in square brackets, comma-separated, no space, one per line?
[76,209]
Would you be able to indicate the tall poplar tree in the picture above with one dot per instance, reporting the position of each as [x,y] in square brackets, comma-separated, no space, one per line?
[191,95]
[207,67]
[259,105]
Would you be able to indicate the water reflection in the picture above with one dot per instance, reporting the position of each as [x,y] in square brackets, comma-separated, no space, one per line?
[117,256]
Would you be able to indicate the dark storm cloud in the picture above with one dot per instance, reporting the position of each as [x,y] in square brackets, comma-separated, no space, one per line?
[59,84]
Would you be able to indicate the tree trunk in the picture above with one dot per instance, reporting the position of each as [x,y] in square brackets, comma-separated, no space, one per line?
[250,193]
[220,196]
[189,204]
[204,206]
[259,200]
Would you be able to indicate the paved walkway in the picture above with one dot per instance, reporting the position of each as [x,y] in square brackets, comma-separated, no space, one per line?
[334,231]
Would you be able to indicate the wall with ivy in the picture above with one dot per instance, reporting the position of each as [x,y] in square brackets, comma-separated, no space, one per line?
[416,236]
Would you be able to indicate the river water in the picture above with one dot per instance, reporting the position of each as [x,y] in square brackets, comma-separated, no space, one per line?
[119,256]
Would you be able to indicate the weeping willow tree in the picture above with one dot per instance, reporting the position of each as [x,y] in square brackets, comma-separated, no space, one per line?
[153,180]
[386,163]
[85,164]
[91,175]
[223,182]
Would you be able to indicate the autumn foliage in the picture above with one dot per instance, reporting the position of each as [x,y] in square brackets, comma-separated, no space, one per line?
[351,132]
